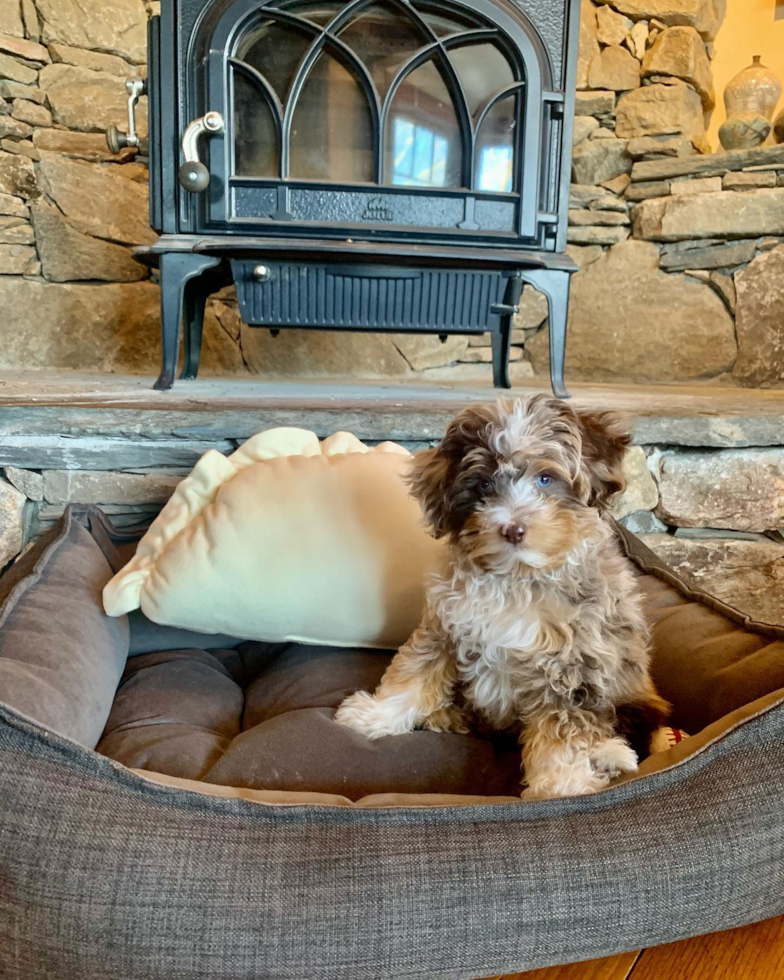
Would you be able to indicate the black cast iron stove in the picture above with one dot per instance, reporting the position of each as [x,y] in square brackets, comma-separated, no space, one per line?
[384,165]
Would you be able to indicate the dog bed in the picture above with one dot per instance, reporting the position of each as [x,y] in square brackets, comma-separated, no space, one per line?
[226,828]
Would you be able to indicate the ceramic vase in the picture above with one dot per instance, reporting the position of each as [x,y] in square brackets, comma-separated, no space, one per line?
[750,99]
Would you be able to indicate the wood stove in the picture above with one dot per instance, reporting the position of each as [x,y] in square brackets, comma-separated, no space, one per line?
[385,165]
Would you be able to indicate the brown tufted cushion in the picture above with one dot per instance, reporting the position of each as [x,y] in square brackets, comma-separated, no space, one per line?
[260,717]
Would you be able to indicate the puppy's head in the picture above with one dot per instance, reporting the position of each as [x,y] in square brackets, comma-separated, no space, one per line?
[519,483]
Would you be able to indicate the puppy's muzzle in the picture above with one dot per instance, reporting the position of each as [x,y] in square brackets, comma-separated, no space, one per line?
[513,533]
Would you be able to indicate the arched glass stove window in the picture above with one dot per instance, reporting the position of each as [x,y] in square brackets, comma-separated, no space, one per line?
[422,142]
[377,91]
[256,136]
[331,126]
[495,141]
[384,41]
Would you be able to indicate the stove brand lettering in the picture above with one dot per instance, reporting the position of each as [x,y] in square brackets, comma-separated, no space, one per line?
[376,210]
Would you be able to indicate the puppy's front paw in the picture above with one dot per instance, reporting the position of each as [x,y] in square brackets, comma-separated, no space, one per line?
[612,756]
[579,779]
[371,717]
[584,772]
[356,712]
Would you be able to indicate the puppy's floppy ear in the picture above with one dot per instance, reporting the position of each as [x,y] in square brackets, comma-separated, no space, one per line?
[605,439]
[433,471]
[428,479]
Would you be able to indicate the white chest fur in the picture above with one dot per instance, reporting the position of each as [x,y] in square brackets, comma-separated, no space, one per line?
[505,639]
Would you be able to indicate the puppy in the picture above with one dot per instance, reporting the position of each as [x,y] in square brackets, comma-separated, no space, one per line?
[534,624]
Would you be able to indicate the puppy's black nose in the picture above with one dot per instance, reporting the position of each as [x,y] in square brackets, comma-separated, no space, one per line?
[514,533]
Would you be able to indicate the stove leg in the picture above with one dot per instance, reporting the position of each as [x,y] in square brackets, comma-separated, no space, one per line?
[195,302]
[500,342]
[502,337]
[176,271]
[554,283]
[558,302]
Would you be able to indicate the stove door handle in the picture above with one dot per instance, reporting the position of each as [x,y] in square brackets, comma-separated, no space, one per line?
[193,175]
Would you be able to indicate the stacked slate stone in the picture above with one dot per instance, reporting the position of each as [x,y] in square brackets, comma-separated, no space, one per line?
[33,500]
[71,211]
[681,279]
[679,248]
[715,515]
[86,205]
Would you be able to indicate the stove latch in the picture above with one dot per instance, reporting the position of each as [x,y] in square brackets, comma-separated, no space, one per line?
[193,175]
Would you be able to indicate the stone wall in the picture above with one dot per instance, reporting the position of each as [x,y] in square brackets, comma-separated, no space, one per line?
[716,516]
[678,251]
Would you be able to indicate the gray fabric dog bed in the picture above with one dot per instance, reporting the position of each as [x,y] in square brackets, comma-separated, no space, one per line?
[226,828]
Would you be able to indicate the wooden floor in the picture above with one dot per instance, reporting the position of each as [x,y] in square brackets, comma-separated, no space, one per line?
[753,953]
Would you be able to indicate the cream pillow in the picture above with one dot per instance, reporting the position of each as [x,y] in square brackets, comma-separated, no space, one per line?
[287,539]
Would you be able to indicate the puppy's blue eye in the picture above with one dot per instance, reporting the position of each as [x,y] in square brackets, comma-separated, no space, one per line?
[544,480]
[485,485]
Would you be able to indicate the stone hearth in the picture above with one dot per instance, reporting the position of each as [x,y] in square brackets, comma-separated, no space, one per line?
[705,475]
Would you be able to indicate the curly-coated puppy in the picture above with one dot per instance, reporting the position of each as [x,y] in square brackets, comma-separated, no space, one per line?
[534,624]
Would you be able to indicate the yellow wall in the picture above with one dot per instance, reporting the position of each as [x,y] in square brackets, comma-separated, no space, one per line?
[749,28]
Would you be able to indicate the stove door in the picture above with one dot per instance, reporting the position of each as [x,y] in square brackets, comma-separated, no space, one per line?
[374,119]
